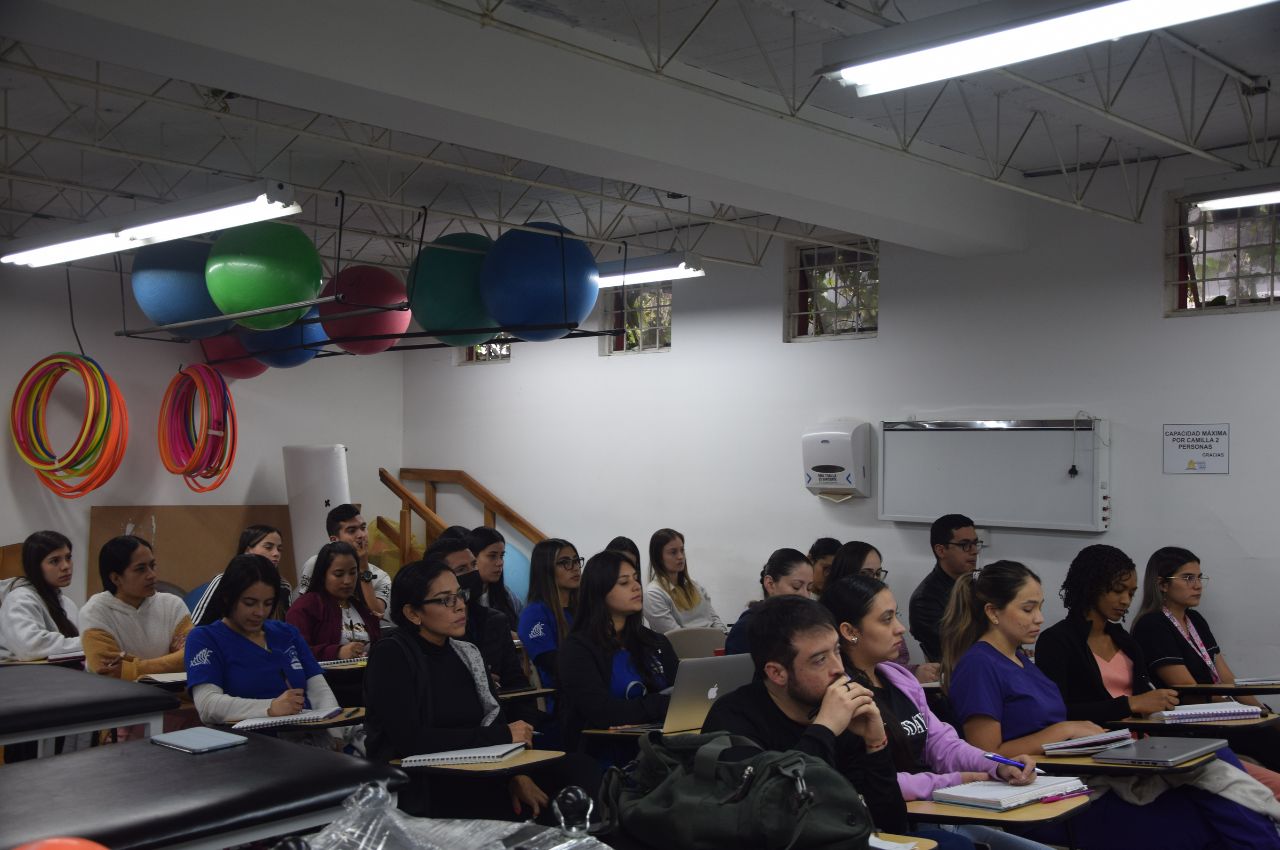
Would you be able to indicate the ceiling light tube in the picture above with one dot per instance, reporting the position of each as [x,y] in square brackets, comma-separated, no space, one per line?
[1254,199]
[999,33]
[258,201]
[656,268]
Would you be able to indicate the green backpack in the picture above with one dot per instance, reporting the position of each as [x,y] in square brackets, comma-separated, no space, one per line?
[679,794]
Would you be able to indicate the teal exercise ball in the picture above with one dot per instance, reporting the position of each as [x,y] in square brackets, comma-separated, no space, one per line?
[278,348]
[444,287]
[168,284]
[515,571]
[533,278]
[263,265]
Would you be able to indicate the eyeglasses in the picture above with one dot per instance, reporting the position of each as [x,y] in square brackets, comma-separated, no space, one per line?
[449,600]
[878,575]
[570,563]
[966,545]
[1192,579]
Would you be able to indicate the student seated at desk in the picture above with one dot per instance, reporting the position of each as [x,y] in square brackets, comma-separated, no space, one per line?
[555,574]
[1005,704]
[613,670]
[264,540]
[427,691]
[36,618]
[787,571]
[927,753]
[1181,649]
[859,558]
[331,614]
[237,664]
[673,600]
[490,549]
[143,631]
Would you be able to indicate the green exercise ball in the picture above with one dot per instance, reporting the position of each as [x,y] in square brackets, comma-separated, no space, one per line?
[444,288]
[263,265]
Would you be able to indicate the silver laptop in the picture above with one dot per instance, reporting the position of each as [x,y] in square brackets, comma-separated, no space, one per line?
[699,682]
[1160,752]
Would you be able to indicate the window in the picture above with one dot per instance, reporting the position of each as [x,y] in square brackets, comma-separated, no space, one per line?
[642,313]
[496,351]
[1223,260]
[834,292]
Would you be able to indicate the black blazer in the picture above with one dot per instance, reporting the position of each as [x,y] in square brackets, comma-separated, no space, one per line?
[1063,654]
[585,672]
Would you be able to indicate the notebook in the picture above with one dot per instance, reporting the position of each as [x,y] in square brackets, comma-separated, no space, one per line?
[475,755]
[287,719]
[201,739]
[1160,752]
[1089,744]
[699,682]
[342,663]
[164,678]
[1001,796]
[1229,710]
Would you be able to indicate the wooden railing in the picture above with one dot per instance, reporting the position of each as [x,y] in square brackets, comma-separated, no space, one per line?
[494,508]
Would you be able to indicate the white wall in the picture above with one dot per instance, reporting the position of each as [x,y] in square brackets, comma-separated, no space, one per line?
[349,400]
[706,438]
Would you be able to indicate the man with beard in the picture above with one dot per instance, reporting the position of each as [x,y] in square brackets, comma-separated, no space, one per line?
[802,700]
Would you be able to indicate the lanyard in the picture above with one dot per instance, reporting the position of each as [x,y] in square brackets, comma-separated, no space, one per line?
[1193,638]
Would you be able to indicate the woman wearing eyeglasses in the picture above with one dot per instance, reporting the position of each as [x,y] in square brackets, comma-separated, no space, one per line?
[555,571]
[427,691]
[1181,649]
[788,572]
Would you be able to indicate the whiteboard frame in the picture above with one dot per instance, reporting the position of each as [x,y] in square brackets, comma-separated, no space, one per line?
[1099,431]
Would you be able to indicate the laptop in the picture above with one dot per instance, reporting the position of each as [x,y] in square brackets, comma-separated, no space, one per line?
[699,682]
[1160,752]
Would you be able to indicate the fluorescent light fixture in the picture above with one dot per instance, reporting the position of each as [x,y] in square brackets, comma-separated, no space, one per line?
[257,201]
[999,33]
[1235,202]
[652,269]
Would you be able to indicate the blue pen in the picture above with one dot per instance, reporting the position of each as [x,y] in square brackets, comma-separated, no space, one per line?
[1002,760]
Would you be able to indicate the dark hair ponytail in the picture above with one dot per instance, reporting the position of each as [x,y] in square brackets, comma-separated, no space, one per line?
[781,564]
[965,620]
[35,549]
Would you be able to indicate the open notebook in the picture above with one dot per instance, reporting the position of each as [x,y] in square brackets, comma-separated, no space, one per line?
[1229,710]
[1089,744]
[164,678]
[1000,796]
[475,755]
[287,719]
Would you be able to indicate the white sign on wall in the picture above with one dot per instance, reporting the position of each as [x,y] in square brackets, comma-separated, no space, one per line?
[1197,449]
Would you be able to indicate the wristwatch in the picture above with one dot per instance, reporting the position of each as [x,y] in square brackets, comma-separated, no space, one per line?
[367,575]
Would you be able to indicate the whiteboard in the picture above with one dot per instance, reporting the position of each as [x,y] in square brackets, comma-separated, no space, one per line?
[1009,472]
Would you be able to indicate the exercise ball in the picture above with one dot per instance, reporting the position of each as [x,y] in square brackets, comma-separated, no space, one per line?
[445,287]
[168,284]
[535,278]
[228,345]
[278,348]
[515,571]
[365,286]
[263,265]
[62,843]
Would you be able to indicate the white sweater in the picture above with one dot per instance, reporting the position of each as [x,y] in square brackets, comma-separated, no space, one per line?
[27,630]
[146,631]
[663,616]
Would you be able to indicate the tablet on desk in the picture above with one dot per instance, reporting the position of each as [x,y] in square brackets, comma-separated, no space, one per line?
[198,740]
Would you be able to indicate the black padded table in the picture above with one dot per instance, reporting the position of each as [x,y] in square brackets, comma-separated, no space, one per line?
[41,701]
[138,795]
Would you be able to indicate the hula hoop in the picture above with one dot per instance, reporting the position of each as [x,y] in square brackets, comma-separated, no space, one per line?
[197,429]
[103,436]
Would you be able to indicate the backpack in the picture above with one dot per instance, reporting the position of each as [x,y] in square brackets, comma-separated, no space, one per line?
[681,794]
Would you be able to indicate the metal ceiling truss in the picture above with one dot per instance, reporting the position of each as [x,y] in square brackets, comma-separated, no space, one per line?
[391,179]
[1085,136]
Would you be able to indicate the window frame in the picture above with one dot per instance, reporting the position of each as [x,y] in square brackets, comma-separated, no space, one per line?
[613,317]
[1186,262]
[798,309]
[468,355]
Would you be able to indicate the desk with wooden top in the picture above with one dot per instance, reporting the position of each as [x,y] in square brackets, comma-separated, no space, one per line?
[908,840]
[526,693]
[1198,729]
[1032,814]
[518,762]
[1086,766]
[1221,689]
[42,702]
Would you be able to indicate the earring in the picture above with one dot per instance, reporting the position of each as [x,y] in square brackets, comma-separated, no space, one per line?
[853,639]
[995,621]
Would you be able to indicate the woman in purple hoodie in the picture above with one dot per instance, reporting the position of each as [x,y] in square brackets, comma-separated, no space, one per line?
[928,752]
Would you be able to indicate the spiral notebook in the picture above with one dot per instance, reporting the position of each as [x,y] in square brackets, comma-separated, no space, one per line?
[1000,796]
[475,755]
[343,663]
[287,719]
[1210,711]
[1089,744]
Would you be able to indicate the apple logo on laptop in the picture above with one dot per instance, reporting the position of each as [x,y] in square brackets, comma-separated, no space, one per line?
[715,689]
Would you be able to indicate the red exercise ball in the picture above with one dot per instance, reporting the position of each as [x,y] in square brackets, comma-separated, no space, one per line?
[228,345]
[365,286]
[62,843]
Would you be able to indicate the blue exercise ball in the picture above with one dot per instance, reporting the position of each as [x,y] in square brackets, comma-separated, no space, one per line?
[515,571]
[264,344]
[168,284]
[537,279]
